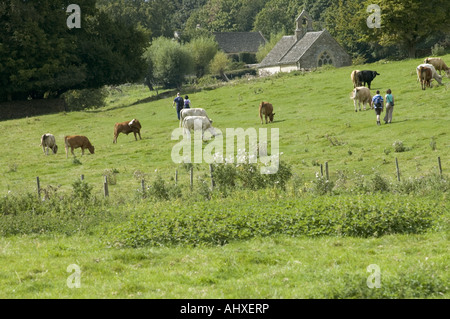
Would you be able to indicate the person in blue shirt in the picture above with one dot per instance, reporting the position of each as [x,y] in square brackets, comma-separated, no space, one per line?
[377,103]
[179,101]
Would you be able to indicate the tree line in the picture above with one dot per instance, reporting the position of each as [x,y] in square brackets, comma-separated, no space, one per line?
[123,41]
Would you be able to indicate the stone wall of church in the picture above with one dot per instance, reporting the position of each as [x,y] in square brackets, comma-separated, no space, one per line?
[325,43]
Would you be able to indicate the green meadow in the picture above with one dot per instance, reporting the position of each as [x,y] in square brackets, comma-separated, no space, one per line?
[311,239]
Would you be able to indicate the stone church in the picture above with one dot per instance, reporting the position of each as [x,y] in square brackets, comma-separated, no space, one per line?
[305,50]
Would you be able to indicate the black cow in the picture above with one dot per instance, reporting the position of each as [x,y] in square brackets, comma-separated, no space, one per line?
[367,77]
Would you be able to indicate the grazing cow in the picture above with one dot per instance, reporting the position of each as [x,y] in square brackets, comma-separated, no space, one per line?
[438,64]
[362,95]
[48,141]
[266,109]
[366,76]
[434,74]
[126,128]
[76,141]
[197,122]
[355,78]
[192,112]
[425,77]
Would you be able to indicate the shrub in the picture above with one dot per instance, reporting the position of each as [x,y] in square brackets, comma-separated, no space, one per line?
[437,50]
[321,186]
[379,184]
[81,190]
[433,143]
[160,190]
[77,100]
[111,175]
[217,222]
[399,147]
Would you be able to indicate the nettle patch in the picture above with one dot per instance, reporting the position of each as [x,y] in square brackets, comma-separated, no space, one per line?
[217,222]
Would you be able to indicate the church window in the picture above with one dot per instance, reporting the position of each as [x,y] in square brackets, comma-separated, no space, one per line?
[324,59]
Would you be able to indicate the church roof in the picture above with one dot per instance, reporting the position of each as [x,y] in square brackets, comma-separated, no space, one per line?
[288,50]
[236,42]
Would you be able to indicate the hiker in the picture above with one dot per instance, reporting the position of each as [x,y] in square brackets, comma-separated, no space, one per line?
[179,103]
[389,107]
[187,102]
[377,104]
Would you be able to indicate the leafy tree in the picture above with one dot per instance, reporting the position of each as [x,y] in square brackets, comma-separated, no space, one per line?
[169,62]
[203,51]
[112,51]
[265,49]
[153,17]
[225,15]
[278,16]
[407,23]
[39,53]
[346,20]
[219,64]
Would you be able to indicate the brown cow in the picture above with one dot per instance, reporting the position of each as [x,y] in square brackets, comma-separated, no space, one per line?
[425,76]
[438,64]
[267,109]
[76,141]
[355,78]
[126,128]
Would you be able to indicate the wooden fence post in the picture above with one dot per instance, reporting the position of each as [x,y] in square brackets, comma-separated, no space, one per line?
[105,186]
[176,177]
[211,170]
[82,177]
[38,187]
[440,166]
[143,187]
[398,170]
[321,170]
[326,171]
[191,177]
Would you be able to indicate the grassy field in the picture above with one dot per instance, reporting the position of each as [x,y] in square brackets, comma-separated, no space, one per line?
[317,124]
[314,114]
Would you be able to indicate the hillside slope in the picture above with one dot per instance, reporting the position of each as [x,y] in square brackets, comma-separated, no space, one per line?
[314,114]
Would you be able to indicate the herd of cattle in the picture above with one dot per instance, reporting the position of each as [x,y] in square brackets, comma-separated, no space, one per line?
[191,118]
[426,72]
[48,140]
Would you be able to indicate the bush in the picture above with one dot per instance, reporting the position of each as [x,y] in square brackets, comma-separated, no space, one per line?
[111,176]
[27,214]
[81,190]
[437,50]
[379,184]
[217,222]
[399,147]
[77,100]
[160,190]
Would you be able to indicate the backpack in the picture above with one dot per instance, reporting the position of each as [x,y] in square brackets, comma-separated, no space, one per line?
[377,101]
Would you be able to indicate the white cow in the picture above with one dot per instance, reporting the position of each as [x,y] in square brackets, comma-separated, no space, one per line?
[435,76]
[196,123]
[192,112]
[362,95]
